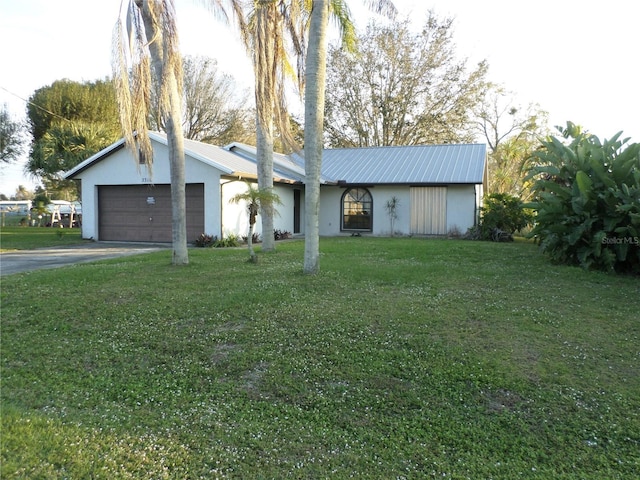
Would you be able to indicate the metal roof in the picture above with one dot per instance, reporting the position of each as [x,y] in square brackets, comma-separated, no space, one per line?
[283,165]
[419,164]
[227,162]
[239,165]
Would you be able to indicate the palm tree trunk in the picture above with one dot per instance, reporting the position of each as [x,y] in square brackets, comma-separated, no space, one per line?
[265,91]
[264,153]
[313,128]
[253,211]
[172,116]
[175,141]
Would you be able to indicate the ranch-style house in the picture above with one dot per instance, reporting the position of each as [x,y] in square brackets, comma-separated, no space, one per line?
[437,189]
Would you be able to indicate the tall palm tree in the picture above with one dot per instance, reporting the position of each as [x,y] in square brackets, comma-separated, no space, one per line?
[315,71]
[255,198]
[153,50]
[268,24]
[262,27]
[263,31]
[273,20]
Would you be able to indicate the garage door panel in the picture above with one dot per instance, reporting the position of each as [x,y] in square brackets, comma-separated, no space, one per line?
[142,213]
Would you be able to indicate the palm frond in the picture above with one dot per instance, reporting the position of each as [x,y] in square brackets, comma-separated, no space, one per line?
[132,70]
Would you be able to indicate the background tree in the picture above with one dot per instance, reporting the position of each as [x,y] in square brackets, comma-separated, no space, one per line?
[69,121]
[512,133]
[214,107]
[60,189]
[22,193]
[153,47]
[401,88]
[11,137]
[296,128]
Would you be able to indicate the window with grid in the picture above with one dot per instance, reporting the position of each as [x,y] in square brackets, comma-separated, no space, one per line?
[357,209]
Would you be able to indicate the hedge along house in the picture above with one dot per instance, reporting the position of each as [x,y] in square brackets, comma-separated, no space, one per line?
[438,188]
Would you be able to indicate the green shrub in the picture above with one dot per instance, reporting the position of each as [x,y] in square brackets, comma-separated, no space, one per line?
[255,238]
[281,234]
[587,201]
[212,241]
[205,240]
[501,216]
[229,241]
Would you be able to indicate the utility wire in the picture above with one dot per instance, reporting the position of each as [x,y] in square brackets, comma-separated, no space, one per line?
[36,105]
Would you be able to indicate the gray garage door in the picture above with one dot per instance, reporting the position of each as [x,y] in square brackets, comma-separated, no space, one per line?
[142,213]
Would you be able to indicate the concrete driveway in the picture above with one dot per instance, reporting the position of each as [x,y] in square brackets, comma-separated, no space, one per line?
[28,260]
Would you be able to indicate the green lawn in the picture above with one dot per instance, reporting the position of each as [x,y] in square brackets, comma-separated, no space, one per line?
[404,358]
[28,238]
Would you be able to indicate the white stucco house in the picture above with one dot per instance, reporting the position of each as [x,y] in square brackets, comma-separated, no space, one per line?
[438,189]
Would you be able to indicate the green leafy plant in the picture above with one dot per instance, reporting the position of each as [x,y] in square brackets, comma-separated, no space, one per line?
[392,211]
[281,234]
[229,241]
[502,216]
[473,233]
[255,199]
[39,210]
[212,241]
[255,238]
[587,201]
[205,240]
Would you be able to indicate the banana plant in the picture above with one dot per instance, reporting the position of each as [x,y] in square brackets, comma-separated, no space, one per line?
[586,196]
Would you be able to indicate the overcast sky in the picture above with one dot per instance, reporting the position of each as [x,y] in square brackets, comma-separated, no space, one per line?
[577,59]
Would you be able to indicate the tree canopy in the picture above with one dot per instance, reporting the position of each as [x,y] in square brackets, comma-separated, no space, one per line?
[512,133]
[69,122]
[401,88]
[214,107]
[11,137]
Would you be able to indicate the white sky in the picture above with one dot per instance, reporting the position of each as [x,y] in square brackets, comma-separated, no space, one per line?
[577,59]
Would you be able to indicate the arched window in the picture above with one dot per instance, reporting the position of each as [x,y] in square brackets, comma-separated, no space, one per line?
[357,210]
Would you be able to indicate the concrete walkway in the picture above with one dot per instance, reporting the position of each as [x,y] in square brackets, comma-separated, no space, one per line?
[28,260]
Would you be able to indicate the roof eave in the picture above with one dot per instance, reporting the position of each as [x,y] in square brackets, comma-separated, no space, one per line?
[92,160]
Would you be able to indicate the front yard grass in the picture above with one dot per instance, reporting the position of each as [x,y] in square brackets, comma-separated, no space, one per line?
[404,358]
[29,238]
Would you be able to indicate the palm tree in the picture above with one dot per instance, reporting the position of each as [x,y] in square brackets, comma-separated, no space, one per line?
[153,46]
[315,72]
[263,34]
[256,198]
